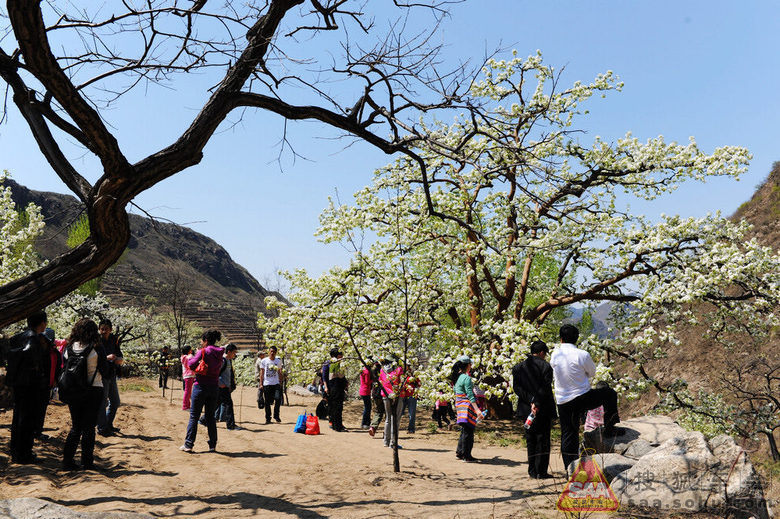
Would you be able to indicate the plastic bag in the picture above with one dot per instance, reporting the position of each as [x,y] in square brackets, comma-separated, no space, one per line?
[312,424]
[300,424]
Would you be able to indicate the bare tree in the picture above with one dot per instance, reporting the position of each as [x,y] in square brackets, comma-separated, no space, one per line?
[175,293]
[73,64]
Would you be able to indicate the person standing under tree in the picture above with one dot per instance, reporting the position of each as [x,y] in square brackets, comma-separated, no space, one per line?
[162,366]
[335,387]
[271,378]
[28,365]
[365,394]
[110,402]
[572,370]
[466,406]
[85,340]
[532,382]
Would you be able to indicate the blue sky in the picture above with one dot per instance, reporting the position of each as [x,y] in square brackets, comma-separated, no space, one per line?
[705,69]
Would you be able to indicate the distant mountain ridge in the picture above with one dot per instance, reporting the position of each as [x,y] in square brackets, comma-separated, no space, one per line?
[224,294]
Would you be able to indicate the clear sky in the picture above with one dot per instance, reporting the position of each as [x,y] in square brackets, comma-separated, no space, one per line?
[708,69]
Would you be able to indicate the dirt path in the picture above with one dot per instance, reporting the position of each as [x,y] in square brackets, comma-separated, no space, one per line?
[268,471]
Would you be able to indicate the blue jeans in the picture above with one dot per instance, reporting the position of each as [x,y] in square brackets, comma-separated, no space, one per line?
[108,406]
[410,402]
[203,396]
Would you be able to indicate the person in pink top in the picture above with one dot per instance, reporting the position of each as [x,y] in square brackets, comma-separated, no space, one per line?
[188,376]
[391,379]
[365,393]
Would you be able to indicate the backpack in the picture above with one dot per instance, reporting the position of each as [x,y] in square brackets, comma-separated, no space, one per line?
[73,382]
[322,409]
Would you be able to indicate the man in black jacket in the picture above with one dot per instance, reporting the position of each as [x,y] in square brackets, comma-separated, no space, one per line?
[111,401]
[532,382]
[28,373]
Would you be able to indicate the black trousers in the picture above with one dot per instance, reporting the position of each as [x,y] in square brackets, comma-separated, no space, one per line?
[466,441]
[444,413]
[27,412]
[163,379]
[272,394]
[366,418]
[43,404]
[537,439]
[571,413]
[83,417]
[336,407]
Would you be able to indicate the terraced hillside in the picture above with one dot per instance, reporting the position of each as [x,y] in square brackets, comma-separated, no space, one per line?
[219,292]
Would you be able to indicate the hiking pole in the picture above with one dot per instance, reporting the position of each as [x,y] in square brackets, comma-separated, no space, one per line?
[240,402]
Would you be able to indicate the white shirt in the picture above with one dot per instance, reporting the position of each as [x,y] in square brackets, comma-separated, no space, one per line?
[271,370]
[572,370]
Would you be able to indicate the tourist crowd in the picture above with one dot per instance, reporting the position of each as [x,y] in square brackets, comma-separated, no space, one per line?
[84,369]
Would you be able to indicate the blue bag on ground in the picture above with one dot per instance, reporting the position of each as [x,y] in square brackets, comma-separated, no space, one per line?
[300,424]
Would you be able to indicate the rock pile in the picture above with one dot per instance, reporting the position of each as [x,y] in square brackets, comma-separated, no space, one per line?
[658,468]
[29,507]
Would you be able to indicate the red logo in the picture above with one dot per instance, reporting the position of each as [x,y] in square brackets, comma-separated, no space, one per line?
[587,490]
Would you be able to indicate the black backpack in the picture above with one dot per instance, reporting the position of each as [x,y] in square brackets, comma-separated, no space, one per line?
[73,384]
[322,409]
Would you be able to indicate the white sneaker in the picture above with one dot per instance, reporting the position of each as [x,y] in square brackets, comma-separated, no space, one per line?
[185,448]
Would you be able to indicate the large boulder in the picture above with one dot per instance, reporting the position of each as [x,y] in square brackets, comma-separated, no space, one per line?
[610,464]
[31,507]
[638,448]
[654,429]
[685,474]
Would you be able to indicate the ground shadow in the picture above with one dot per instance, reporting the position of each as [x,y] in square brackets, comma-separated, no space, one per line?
[499,461]
[245,500]
[250,454]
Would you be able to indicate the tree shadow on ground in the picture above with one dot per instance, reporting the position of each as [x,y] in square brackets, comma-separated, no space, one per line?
[245,500]
[141,437]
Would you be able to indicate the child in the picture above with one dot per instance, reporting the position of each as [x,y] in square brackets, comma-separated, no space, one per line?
[443,411]
[595,417]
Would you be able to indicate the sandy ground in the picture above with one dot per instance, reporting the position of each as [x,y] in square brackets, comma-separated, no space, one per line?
[269,471]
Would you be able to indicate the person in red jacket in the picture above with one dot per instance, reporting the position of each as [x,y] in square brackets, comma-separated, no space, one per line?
[366,381]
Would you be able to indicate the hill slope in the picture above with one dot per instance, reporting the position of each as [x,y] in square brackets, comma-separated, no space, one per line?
[223,294]
[698,360]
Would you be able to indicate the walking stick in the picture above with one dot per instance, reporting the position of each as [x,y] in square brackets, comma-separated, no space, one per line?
[240,402]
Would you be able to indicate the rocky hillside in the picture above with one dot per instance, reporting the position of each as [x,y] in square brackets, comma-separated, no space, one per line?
[220,292]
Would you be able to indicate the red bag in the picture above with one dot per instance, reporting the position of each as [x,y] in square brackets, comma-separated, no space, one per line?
[312,424]
[203,368]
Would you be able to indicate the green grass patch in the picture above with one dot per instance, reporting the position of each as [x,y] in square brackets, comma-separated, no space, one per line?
[134,384]
[500,438]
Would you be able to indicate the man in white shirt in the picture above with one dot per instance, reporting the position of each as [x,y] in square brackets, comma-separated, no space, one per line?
[572,370]
[271,376]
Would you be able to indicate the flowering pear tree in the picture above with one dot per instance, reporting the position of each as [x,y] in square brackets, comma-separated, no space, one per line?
[510,218]
[18,231]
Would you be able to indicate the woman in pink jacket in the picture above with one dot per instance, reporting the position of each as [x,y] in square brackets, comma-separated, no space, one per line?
[366,380]
[188,375]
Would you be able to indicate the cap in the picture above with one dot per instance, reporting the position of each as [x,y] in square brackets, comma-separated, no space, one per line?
[465,359]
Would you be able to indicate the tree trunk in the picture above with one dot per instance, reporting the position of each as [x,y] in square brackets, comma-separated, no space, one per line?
[110,233]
